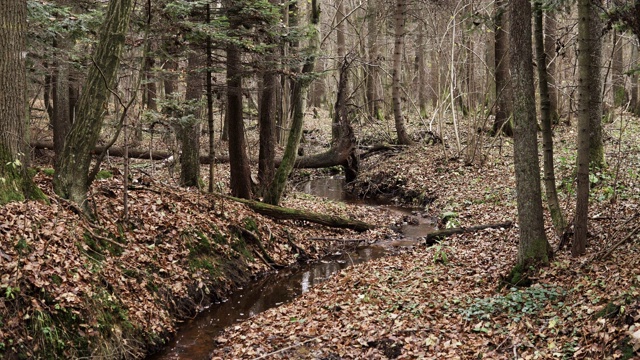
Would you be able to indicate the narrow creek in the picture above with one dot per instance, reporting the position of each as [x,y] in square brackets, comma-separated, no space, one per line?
[195,338]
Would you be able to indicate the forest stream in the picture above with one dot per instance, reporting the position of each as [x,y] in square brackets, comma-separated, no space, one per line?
[195,337]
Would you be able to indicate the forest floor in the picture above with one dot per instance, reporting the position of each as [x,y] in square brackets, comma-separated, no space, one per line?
[116,288]
[449,301]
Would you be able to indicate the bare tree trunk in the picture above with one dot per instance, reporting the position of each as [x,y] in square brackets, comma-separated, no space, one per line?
[16,184]
[534,248]
[635,104]
[422,72]
[300,84]
[240,172]
[71,179]
[545,120]
[372,78]
[188,128]
[503,109]
[60,93]
[399,34]
[342,52]
[587,106]
[210,122]
[596,145]
[550,29]
[620,96]
[267,118]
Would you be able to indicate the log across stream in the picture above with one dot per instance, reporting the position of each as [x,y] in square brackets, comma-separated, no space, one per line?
[195,338]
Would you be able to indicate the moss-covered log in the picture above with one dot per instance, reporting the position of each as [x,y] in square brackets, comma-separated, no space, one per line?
[279,212]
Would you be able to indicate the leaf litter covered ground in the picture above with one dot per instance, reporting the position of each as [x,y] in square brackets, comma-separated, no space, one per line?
[72,288]
[444,301]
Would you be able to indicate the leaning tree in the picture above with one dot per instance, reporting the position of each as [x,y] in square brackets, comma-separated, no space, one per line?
[72,180]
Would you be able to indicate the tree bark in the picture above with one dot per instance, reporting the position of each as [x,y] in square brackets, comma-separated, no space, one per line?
[300,84]
[61,120]
[533,246]
[188,129]
[240,170]
[503,110]
[620,96]
[279,212]
[372,68]
[586,83]
[550,30]
[545,120]
[71,179]
[635,104]
[16,184]
[399,34]
[594,53]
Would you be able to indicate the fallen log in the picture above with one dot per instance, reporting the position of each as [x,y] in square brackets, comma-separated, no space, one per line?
[133,153]
[433,237]
[279,212]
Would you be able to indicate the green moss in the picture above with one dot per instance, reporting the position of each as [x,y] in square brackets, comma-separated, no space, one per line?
[49,172]
[250,224]
[518,276]
[104,174]
[208,264]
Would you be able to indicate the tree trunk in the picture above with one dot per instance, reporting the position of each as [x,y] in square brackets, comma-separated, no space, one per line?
[545,120]
[635,104]
[16,184]
[300,84]
[71,180]
[372,76]
[240,170]
[503,111]
[594,53]
[534,247]
[61,120]
[267,123]
[210,122]
[588,104]
[620,96]
[341,52]
[550,29]
[399,33]
[279,212]
[422,71]
[188,129]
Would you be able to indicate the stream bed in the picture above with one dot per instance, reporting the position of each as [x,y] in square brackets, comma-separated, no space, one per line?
[195,338]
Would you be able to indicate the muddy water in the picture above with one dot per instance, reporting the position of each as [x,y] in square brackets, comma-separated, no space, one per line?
[195,338]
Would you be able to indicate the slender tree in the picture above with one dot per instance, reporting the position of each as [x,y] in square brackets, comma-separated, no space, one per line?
[550,30]
[240,170]
[545,120]
[534,247]
[399,18]
[188,128]
[588,106]
[593,51]
[503,103]
[71,178]
[300,84]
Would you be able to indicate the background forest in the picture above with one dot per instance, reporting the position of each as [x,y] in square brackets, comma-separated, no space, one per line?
[206,105]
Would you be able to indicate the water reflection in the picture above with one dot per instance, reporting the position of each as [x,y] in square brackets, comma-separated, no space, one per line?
[195,337]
